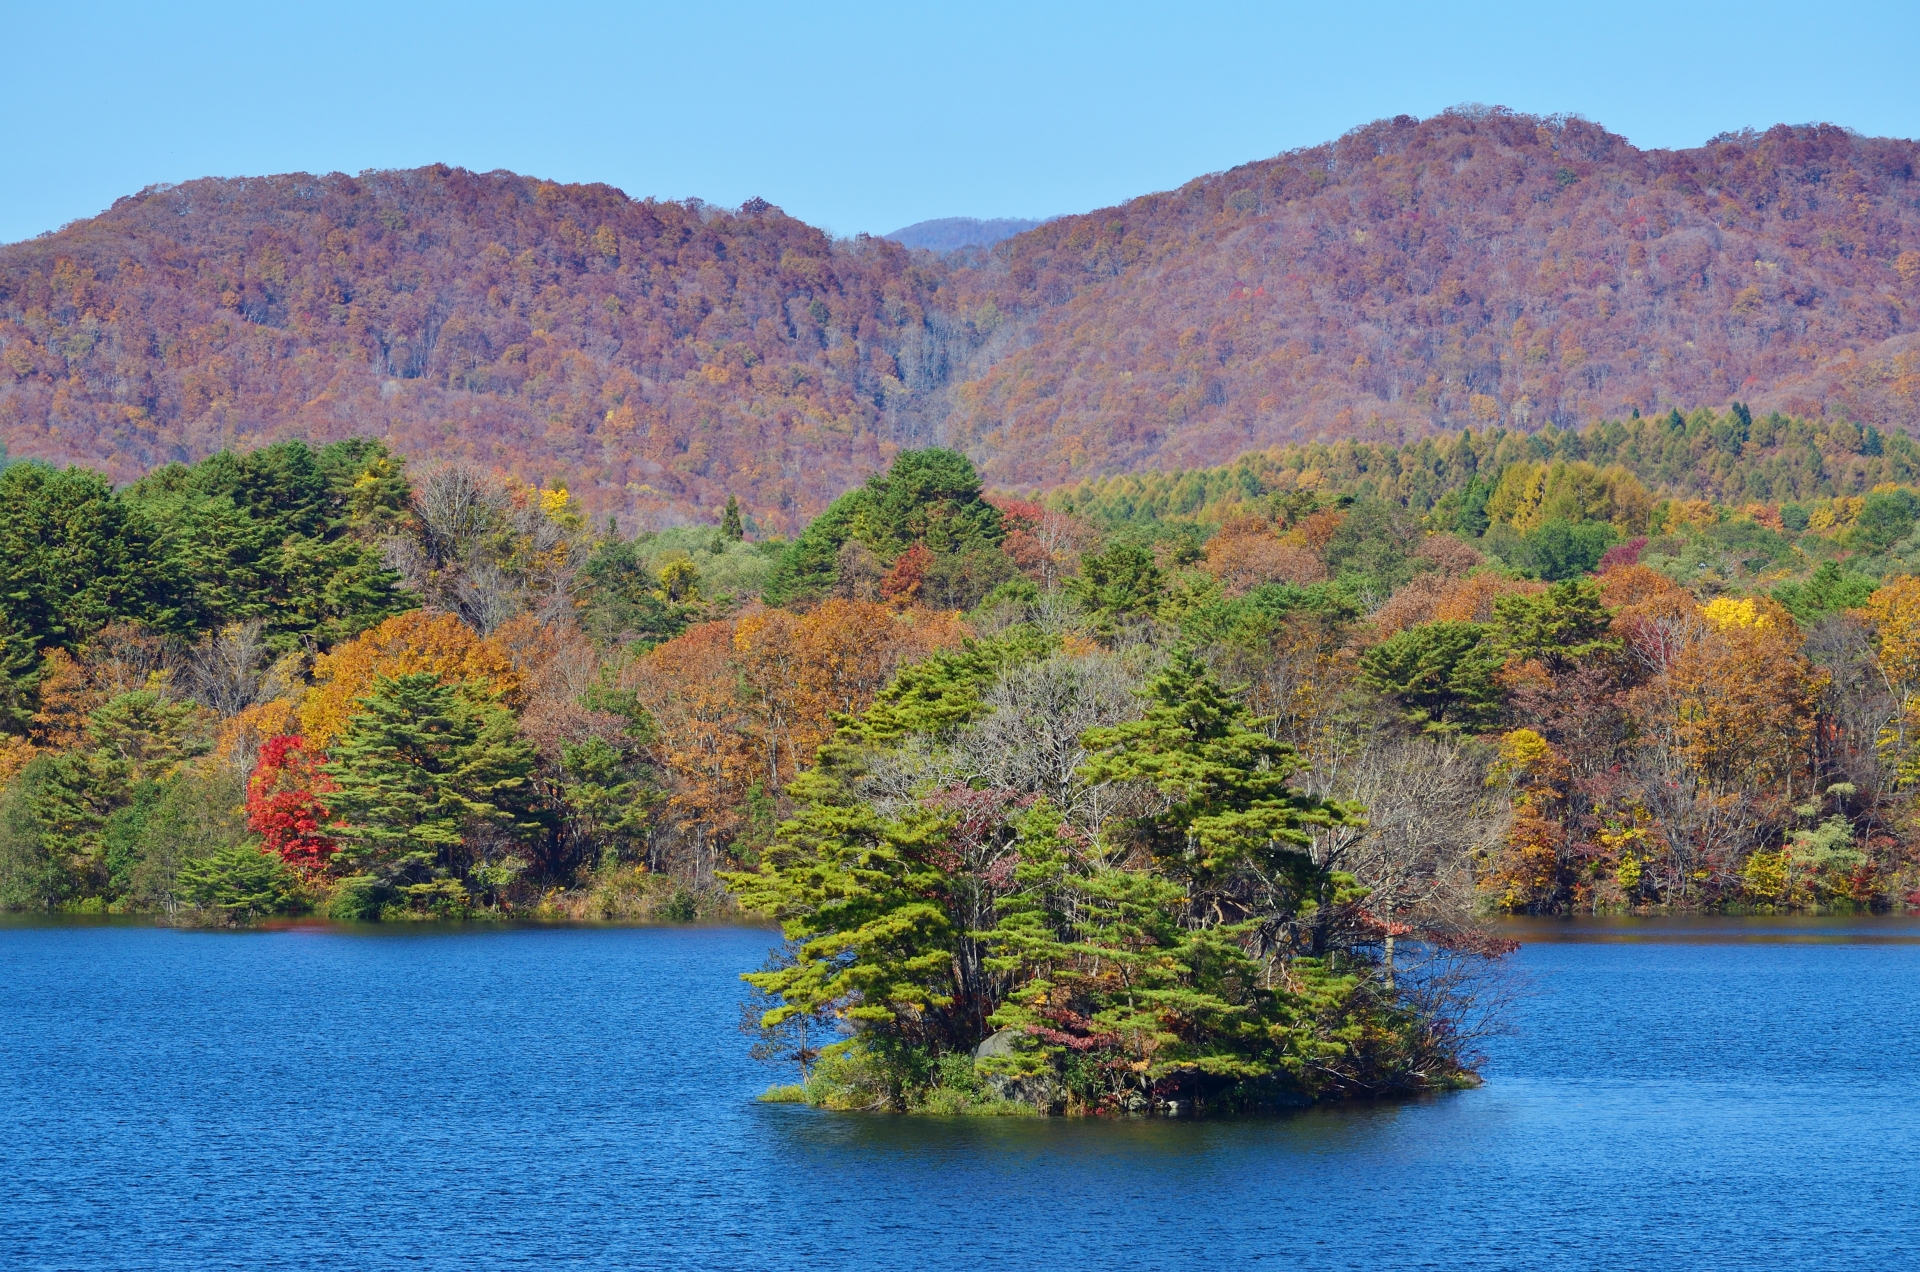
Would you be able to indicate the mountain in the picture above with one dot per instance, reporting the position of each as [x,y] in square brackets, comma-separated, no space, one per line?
[1477,268]
[951,233]
[656,356]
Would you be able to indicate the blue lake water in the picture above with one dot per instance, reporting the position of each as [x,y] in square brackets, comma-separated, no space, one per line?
[1694,1095]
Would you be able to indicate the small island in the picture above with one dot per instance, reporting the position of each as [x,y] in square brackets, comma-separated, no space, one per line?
[1174,794]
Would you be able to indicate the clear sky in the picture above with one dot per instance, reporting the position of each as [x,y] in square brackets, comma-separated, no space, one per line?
[869,116]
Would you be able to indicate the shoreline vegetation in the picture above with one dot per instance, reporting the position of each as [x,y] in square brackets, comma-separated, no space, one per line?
[1174,793]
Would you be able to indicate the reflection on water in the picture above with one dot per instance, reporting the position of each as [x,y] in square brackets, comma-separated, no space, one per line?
[1130,1140]
[1696,1093]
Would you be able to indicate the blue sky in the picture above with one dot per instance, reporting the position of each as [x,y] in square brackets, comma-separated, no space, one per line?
[867,116]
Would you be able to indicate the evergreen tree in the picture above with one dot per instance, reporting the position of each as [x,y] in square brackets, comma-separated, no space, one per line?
[1227,802]
[609,796]
[1107,966]
[619,598]
[239,882]
[944,691]
[731,526]
[283,534]
[928,496]
[861,897]
[133,743]
[1122,582]
[75,556]
[1560,549]
[1562,625]
[1830,589]
[420,767]
[1442,673]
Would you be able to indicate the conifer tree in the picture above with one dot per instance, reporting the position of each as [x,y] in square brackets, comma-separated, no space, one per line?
[420,766]
[1442,673]
[860,896]
[240,882]
[1228,803]
[1562,625]
[1121,582]
[731,526]
[1114,971]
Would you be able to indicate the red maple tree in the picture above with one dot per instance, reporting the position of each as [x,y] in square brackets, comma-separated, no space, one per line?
[284,806]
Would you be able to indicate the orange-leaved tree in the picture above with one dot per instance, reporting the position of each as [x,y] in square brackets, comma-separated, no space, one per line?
[743,703]
[1726,718]
[417,641]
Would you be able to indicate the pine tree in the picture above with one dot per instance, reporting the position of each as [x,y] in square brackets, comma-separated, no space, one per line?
[1442,673]
[861,897]
[731,526]
[1562,625]
[1225,783]
[419,766]
[944,691]
[240,882]
[1119,583]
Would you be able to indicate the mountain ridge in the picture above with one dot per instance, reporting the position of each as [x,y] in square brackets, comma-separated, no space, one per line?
[1478,268]
[951,233]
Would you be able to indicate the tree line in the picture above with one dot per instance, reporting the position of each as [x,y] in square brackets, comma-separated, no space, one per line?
[1085,804]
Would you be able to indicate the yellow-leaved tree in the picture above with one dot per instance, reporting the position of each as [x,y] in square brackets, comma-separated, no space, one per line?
[417,641]
[1893,613]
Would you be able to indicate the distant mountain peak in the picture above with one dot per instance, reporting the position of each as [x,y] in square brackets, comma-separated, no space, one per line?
[951,233]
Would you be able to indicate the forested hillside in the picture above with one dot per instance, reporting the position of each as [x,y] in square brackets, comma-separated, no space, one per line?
[1469,269]
[951,233]
[1478,268]
[653,355]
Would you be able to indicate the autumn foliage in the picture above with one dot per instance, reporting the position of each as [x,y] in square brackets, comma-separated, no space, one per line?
[743,703]
[655,354]
[1478,268]
[285,807]
[1530,271]
[412,642]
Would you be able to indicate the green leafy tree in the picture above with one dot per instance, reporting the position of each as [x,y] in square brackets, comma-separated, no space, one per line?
[199,814]
[610,796]
[1108,968]
[861,897]
[419,767]
[937,695]
[928,496]
[283,534]
[34,873]
[1886,517]
[1372,549]
[19,675]
[1562,550]
[133,744]
[75,556]
[1443,674]
[1828,590]
[620,601]
[1252,622]
[1120,988]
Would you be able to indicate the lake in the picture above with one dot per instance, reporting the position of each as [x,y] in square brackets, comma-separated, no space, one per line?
[1695,1094]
